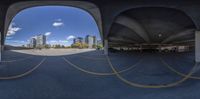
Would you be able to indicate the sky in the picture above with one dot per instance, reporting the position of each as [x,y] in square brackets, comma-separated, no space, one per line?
[59,23]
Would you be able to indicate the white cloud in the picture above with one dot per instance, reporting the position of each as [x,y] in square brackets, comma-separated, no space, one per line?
[9,37]
[13,29]
[53,41]
[47,33]
[58,23]
[19,41]
[70,37]
[16,41]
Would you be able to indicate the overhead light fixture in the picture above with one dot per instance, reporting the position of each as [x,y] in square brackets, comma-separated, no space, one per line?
[159,35]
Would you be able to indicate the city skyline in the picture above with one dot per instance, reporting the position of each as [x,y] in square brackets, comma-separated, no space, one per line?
[60,28]
[41,40]
[90,40]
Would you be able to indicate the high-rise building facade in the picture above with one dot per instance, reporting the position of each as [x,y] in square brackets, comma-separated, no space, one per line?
[99,42]
[91,41]
[94,40]
[32,42]
[37,41]
[40,40]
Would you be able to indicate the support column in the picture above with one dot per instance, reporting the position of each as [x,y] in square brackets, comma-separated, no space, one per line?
[0,52]
[105,47]
[1,46]
[197,46]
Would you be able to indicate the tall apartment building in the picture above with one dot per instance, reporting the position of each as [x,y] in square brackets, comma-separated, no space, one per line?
[37,41]
[40,40]
[32,42]
[99,42]
[90,40]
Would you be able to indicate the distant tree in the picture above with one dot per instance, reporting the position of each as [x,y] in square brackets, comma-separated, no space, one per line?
[39,46]
[74,45]
[84,45]
[47,46]
[94,46]
[68,47]
[99,46]
[57,46]
[79,45]
[63,46]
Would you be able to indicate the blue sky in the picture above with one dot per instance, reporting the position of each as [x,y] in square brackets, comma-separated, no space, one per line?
[60,23]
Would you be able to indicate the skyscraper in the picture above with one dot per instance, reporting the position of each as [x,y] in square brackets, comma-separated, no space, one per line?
[95,40]
[32,42]
[38,41]
[99,42]
[90,40]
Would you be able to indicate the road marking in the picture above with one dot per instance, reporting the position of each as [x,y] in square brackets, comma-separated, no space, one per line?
[91,58]
[98,73]
[139,85]
[25,73]
[176,71]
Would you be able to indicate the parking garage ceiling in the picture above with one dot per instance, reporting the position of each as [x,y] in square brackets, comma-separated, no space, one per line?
[141,21]
[152,25]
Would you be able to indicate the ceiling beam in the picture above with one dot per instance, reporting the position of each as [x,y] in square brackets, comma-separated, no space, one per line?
[127,33]
[121,39]
[178,35]
[133,25]
[185,41]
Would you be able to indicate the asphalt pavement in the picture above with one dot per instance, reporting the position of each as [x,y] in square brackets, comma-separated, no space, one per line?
[57,79]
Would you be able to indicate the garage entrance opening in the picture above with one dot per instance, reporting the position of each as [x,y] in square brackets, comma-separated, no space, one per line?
[40,34]
[54,30]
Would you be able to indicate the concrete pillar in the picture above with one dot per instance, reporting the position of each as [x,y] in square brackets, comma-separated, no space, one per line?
[1,46]
[197,46]
[0,52]
[106,47]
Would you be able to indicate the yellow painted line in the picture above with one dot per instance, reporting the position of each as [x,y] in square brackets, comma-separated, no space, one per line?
[91,58]
[98,73]
[139,85]
[25,73]
[176,71]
